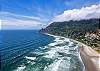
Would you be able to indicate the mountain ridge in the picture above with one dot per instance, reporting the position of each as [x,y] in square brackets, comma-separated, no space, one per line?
[72,27]
[85,31]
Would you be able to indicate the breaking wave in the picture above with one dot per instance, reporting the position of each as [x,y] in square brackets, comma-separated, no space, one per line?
[61,55]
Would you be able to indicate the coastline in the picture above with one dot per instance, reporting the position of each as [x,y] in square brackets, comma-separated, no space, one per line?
[89,57]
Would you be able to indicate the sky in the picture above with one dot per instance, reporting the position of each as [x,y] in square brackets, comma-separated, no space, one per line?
[37,14]
[83,13]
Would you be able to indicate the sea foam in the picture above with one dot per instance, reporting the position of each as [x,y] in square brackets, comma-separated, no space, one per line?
[64,49]
[30,58]
[21,68]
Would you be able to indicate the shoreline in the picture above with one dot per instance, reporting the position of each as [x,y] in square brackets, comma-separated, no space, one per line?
[90,58]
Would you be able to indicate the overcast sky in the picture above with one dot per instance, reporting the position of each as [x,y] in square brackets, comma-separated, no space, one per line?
[35,14]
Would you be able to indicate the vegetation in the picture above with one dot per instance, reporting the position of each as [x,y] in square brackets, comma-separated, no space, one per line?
[84,31]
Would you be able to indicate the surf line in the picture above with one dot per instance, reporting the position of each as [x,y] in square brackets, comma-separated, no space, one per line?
[55,36]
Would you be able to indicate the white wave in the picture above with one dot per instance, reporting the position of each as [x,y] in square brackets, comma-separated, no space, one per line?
[67,39]
[70,44]
[21,68]
[58,37]
[40,47]
[31,62]
[54,66]
[59,65]
[64,65]
[59,46]
[52,44]
[57,41]
[50,54]
[28,61]
[54,52]
[30,58]
[52,35]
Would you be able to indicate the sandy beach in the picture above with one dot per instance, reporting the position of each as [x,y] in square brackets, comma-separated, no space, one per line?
[90,57]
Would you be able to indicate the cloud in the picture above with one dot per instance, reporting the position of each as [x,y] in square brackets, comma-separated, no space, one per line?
[0,24]
[78,14]
[7,15]
[13,21]
[20,24]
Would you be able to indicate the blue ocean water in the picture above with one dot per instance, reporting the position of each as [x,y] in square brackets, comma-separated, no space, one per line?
[29,50]
[16,44]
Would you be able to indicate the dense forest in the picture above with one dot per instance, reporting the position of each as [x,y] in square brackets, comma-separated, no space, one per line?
[76,30]
[72,28]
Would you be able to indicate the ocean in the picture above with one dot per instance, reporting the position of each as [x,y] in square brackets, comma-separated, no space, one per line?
[30,50]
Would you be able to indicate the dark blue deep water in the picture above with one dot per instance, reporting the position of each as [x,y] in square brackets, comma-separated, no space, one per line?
[16,44]
[29,50]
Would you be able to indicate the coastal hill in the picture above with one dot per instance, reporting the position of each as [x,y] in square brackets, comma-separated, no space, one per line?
[85,31]
[72,28]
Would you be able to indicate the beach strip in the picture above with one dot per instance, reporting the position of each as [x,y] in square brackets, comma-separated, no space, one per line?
[90,57]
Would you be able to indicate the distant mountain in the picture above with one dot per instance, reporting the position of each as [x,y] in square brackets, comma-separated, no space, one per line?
[72,28]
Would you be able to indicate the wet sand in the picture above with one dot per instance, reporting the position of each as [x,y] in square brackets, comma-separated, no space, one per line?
[90,57]
[91,62]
